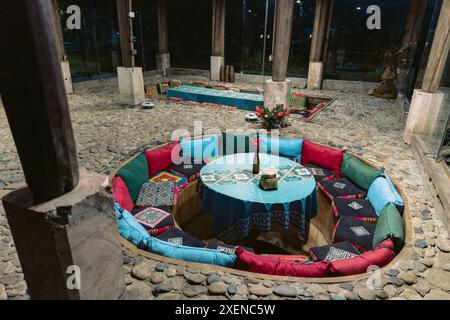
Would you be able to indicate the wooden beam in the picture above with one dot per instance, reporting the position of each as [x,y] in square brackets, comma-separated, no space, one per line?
[218,28]
[439,51]
[163,41]
[34,97]
[413,22]
[282,38]
[58,31]
[321,27]
[124,7]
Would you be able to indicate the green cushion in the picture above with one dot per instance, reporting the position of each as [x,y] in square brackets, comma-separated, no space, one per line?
[241,143]
[135,174]
[389,225]
[358,172]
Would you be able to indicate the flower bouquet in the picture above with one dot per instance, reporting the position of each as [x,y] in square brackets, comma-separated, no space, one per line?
[272,118]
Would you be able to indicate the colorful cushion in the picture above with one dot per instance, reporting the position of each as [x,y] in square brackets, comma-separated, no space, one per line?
[181,238]
[382,192]
[164,208]
[298,101]
[192,254]
[358,172]
[130,228]
[390,225]
[359,209]
[199,150]
[175,83]
[320,173]
[322,156]
[340,188]
[267,265]
[293,258]
[155,221]
[135,174]
[151,90]
[163,86]
[161,158]
[154,194]
[379,257]
[288,148]
[121,194]
[189,170]
[359,233]
[333,252]
[166,176]
[236,143]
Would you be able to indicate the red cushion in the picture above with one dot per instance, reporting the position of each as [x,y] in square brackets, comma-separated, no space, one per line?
[160,159]
[121,194]
[321,156]
[379,257]
[281,267]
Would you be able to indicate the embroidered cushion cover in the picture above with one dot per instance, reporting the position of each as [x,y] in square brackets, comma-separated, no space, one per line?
[121,194]
[130,228]
[332,252]
[358,172]
[320,173]
[261,264]
[379,257]
[160,159]
[340,188]
[135,174]
[359,233]
[382,192]
[359,209]
[288,148]
[176,236]
[155,221]
[164,176]
[322,156]
[155,194]
[390,225]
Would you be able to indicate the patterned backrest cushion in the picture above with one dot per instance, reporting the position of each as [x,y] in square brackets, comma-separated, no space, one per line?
[135,174]
[324,157]
[198,150]
[389,225]
[236,142]
[130,228]
[285,147]
[358,172]
[121,194]
[161,158]
[381,192]
[154,194]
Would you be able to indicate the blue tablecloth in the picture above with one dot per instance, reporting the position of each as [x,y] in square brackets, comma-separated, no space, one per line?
[244,101]
[231,193]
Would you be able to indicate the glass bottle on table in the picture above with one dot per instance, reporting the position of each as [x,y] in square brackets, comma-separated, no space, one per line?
[256,163]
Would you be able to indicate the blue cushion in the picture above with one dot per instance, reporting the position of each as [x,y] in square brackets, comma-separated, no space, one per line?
[200,255]
[199,149]
[288,148]
[130,228]
[382,192]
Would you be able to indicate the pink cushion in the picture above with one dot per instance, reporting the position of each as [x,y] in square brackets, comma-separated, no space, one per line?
[160,159]
[323,157]
[121,194]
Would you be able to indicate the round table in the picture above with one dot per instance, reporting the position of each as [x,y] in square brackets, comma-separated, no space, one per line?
[231,193]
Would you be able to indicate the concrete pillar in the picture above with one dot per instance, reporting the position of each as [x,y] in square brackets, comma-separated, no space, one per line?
[65,66]
[423,113]
[216,64]
[131,85]
[163,62]
[69,238]
[277,92]
[218,38]
[315,75]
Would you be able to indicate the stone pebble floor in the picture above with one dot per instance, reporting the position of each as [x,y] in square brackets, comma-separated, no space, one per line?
[109,132]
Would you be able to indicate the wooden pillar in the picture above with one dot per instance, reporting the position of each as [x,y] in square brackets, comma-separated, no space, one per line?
[218,28]
[34,98]
[439,51]
[124,8]
[282,38]
[321,27]
[58,31]
[163,42]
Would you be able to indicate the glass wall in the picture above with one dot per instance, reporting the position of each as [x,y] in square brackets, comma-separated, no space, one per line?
[93,51]
[190,24]
[145,29]
[354,51]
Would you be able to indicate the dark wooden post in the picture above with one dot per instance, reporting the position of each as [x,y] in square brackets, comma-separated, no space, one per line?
[218,28]
[282,38]
[124,7]
[34,98]
[58,31]
[163,42]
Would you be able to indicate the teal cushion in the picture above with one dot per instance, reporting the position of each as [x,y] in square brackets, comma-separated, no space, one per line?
[135,174]
[199,150]
[236,143]
[382,192]
[130,228]
[358,172]
[389,225]
[285,147]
